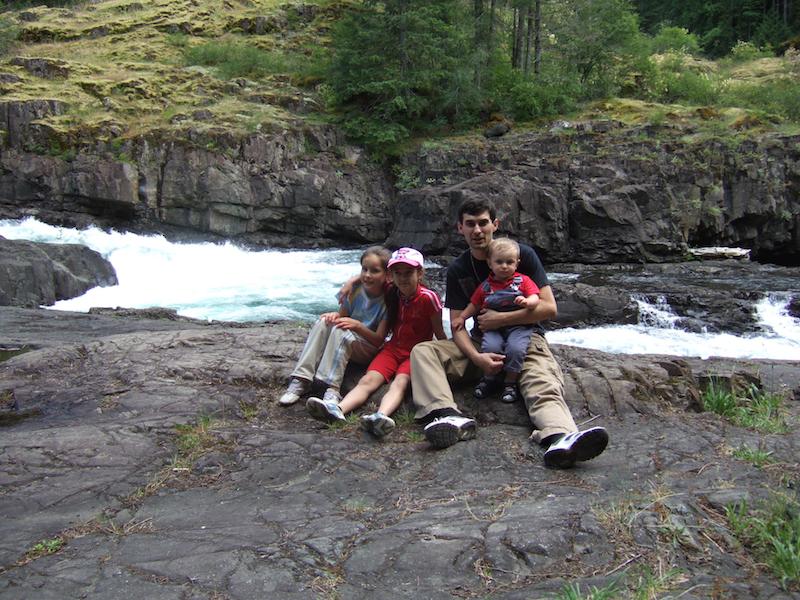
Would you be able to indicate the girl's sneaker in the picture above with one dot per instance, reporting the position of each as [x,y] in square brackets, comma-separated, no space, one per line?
[510,393]
[325,410]
[378,424]
[297,387]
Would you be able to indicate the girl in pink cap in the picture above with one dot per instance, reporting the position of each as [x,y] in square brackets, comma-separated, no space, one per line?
[415,315]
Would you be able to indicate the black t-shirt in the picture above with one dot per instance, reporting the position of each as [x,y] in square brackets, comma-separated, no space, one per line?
[466,273]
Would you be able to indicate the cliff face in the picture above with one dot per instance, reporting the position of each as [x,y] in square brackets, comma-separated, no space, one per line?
[605,193]
[296,186]
[593,192]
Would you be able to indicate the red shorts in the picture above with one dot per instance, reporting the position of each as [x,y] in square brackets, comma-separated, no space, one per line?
[391,361]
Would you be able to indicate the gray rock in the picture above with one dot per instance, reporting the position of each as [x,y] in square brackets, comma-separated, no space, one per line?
[157,487]
[32,274]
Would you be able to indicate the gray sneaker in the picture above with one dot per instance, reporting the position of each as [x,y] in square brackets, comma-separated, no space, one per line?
[324,410]
[576,446]
[446,431]
[332,395]
[378,424]
[297,388]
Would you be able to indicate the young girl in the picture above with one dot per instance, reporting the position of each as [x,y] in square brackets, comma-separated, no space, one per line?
[505,289]
[415,315]
[356,332]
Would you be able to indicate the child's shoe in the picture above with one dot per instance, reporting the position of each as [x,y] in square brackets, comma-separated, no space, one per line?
[378,424]
[510,393]
[297,387]
[485,387]
[325,410]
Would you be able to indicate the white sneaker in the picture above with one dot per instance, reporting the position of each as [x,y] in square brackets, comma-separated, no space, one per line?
[332,395]
[378,424]
[576,446]
[324,410]
[297,387]
[446,431]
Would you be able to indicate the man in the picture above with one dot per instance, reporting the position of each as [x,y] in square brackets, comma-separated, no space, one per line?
[541,382]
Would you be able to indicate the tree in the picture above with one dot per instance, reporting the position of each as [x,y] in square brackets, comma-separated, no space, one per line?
[594,33]
[400,66]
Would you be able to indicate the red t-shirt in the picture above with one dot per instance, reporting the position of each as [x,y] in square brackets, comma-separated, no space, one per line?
[524,288]
[414,318]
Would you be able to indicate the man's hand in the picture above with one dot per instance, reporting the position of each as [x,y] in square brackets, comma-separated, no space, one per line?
[347,288]
[489,320]
[489,362]
[457,324]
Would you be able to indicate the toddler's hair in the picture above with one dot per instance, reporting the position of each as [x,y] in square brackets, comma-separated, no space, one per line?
[501,244]
[382,253]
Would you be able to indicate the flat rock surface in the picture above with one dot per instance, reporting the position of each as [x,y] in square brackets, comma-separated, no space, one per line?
[146,458]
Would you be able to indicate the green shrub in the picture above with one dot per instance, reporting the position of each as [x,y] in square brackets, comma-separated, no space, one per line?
[8,34]
[232,59]
[675,39]
[779,97]
[744,51]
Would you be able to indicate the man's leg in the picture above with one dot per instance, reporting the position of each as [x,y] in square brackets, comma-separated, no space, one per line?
[433,364]
[542,387]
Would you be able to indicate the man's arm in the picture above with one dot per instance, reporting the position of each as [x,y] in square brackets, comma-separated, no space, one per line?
[545,310]
[488,362]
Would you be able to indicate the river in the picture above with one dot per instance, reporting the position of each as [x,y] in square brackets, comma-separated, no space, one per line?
[228,283]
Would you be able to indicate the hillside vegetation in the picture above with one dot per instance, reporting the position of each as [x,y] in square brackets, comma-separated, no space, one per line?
[179,68]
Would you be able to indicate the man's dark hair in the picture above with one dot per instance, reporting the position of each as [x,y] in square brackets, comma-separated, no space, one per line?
[476,207]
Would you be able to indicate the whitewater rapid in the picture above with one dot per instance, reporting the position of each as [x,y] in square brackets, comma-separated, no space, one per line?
[228,283]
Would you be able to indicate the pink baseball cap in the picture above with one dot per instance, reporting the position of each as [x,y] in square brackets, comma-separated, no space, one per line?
[408,256]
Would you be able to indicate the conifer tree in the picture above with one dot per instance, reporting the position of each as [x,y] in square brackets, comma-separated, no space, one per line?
[401,66]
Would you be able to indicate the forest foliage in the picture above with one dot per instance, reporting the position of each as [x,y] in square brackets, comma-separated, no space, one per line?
[392,70]
[406,67]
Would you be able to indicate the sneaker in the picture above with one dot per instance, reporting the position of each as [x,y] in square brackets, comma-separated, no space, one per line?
[510,394]
[576,446]
[332,395]
[485,387]
[297,387]
[324,410]
[378,424]
[446,431]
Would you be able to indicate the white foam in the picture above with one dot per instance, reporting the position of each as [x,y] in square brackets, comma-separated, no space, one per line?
[225,282]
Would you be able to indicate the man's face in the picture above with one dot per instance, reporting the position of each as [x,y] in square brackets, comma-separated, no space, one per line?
[477,230]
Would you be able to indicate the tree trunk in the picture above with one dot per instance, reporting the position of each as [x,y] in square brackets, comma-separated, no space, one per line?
[537,37]
[528,38]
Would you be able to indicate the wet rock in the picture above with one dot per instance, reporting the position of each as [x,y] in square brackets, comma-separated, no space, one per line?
[33,274]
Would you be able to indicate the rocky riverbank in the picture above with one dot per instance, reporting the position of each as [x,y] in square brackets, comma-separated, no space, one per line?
[147,457]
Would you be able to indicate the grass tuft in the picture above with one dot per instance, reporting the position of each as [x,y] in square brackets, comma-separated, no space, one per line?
[752,408]
[772,531]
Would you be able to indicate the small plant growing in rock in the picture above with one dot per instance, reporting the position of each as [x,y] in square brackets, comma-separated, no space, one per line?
[45,547]
[752,408]
[756,456]
[772,532]
[572,591]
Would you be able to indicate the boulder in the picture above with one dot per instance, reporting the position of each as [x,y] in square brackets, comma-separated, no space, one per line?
[33,274]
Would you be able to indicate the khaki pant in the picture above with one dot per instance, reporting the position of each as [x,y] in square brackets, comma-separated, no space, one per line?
[327,352]
[435,364]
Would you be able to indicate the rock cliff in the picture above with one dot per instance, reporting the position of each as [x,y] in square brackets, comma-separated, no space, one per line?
[591,192]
